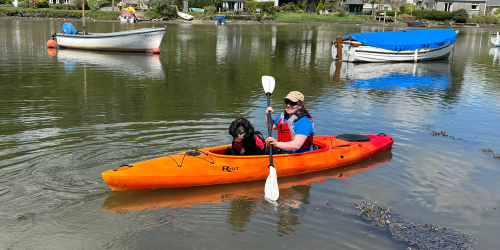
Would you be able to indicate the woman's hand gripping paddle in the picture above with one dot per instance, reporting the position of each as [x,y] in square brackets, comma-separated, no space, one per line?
[271,190]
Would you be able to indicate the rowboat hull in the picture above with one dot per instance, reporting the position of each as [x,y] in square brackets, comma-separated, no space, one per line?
[140,40]
[356,52]
[185,16]
[210,167]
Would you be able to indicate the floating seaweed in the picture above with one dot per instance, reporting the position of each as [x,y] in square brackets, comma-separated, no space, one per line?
[442,133]
[425,236]
[492,154]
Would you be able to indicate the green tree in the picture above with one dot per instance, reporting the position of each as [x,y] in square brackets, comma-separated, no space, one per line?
[320,7]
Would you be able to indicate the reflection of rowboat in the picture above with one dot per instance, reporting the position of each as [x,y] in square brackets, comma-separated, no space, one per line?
[495,54]
[395,46]
[209,166]
[158,198]
[140,40]
[347,70]
[131,64]
[495,39]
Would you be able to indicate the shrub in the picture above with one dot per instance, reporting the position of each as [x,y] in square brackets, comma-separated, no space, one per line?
[485,19]
[251,5]
[164,9]
[320,7]
[78,5]
[461,16]
[290,7]
[497,12]
[203,3]
[433,15]
[301,5]
[210,9]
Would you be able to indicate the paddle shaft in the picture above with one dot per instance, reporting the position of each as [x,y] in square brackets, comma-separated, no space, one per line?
[270,124]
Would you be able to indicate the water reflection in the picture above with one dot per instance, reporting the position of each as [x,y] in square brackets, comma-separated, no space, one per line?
[127,64]
[413,73]
[495,55]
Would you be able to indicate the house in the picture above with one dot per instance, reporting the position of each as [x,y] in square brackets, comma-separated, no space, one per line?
[354,6]
[493,4]
[237,5]
[473,7]
[376,7]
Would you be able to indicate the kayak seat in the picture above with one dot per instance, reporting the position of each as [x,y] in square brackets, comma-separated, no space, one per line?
[353,137]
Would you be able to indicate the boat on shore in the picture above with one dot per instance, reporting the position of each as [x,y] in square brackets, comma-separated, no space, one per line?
[209,166]
[139,40]
[416,24]
[185,16]
[395,46]
[127,17]
[495,39]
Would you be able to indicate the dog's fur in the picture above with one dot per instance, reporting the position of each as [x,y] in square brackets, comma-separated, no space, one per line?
[242,127]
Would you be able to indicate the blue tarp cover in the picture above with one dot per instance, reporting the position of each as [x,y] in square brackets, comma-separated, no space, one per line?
[68,29]
[406,40]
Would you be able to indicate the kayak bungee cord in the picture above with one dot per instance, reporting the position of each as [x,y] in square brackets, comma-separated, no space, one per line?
[193,153]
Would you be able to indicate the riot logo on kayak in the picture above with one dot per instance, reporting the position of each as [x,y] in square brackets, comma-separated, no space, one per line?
[229,169]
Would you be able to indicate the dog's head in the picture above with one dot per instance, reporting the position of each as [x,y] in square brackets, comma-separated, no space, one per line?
[241,128]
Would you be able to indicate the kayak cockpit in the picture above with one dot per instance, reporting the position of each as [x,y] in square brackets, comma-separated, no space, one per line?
[219,151]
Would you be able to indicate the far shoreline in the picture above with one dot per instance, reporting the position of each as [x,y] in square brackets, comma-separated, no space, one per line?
[198,21]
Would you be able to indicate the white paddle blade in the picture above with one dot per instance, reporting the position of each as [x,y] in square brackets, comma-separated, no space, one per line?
[271,190]
[268,84]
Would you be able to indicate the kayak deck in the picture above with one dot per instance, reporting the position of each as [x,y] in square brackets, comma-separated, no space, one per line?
[209,166]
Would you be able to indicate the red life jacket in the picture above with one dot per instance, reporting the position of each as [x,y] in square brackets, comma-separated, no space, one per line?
[286,131]
[259,142]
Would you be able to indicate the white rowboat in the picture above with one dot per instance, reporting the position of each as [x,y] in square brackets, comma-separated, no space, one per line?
[185,16]
[140,40]
[395,46]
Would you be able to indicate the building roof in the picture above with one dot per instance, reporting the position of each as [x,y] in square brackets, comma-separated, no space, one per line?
[493,3]
[353,2]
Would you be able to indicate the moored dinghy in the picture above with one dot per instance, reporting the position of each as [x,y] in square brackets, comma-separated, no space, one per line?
[139,40]
[395,46]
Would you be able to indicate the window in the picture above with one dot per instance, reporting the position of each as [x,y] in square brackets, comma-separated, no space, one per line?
[51,1]
[474,7]
[57,1]
[448,7]
[66,1]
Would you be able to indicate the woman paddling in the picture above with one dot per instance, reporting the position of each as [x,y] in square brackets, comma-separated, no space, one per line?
[295,126]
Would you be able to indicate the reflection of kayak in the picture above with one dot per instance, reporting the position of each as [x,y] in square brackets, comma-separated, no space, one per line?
[209,166]
[158,198]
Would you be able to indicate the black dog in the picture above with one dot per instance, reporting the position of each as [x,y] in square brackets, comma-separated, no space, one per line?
[246,141]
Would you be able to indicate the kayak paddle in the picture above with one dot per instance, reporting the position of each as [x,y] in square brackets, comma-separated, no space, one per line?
[271,190]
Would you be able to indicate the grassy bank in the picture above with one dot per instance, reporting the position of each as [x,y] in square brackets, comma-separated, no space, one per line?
[306,18]
[113,15]
[53,13]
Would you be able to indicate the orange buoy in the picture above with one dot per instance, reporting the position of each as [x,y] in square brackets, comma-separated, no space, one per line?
[156,51]
[51,43]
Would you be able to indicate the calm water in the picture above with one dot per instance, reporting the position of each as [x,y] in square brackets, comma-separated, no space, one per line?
[66,117]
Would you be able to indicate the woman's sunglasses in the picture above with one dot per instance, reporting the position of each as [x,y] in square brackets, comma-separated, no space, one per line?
[288,102]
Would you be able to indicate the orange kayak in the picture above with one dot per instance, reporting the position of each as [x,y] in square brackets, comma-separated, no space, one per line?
[209,166]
